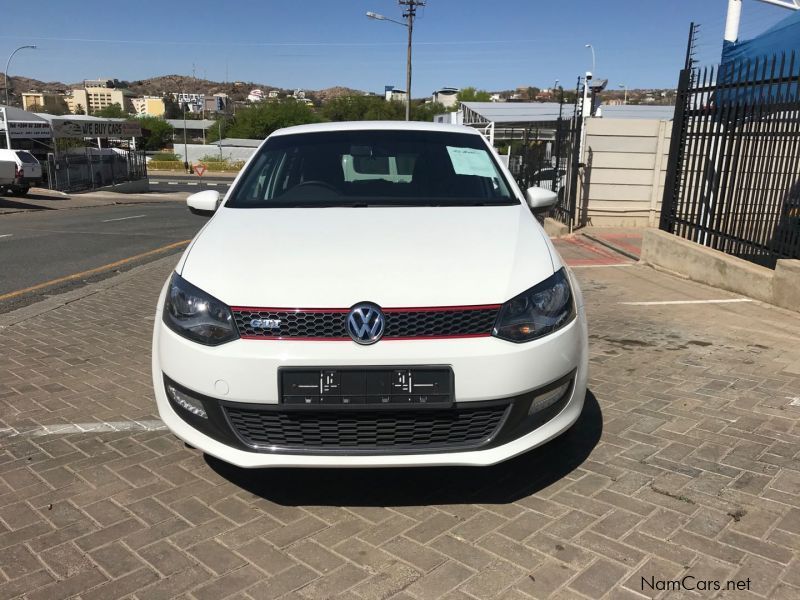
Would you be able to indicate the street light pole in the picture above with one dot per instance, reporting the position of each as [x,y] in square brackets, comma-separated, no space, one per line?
[410,18]
[594,60]
[409,14]
[32,47]
[624,85]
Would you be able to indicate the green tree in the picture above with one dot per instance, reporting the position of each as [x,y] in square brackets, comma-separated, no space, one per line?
[470,94]
[156,132]
[259,120]
[112,111]
[349,108]
[79,110]
[532,92]
[171,108]
[425,111]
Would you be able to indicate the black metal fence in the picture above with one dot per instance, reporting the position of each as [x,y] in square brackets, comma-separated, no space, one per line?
[81,168]
[551,161]
[733,176]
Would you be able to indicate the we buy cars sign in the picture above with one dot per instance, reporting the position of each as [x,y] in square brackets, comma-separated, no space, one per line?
[69,128]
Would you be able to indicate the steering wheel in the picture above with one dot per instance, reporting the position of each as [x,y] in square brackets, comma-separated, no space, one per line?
[324,184]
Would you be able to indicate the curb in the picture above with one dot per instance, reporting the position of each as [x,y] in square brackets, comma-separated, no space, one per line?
[25,313]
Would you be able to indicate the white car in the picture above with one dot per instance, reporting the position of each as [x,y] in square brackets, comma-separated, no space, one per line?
[27,173]
[323,319]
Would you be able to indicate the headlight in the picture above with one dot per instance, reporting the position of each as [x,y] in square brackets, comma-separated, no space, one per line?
[542,309]
[195,315]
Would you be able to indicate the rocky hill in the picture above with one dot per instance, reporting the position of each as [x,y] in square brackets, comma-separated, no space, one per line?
[158,86]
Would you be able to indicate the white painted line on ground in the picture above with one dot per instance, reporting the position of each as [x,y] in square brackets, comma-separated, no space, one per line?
[173,182]
[191,183]
[73,428]
[6,235]
[154,181]
[626,264]
[124,218]
[211,184]
[663,302]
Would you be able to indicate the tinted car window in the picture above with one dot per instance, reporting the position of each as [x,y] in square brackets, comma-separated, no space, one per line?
[27,158]
[389,167]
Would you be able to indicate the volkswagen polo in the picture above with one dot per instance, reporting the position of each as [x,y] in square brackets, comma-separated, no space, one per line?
[370,294]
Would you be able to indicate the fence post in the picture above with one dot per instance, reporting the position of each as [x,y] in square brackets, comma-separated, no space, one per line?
[676,147]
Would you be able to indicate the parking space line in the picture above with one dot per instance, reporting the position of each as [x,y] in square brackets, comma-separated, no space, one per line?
[173,182]
[665,302]
[72,428]
[123,218]
[90,272]
[6,235]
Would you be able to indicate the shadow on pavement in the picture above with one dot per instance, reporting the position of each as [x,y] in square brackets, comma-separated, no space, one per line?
[9,203]
[500,484]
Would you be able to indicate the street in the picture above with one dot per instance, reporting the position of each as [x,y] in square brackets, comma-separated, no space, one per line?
[180,182]
[43,246]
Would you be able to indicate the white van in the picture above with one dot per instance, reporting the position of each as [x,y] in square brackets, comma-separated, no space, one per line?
[28,171]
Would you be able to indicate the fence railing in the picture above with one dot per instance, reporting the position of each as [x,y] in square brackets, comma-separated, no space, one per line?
[88,168]
[733,176]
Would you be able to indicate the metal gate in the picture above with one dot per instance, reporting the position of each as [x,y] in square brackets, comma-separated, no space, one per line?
[733,176]
[553,163]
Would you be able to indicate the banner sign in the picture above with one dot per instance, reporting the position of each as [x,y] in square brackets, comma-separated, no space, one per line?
[27,129]
[66,128]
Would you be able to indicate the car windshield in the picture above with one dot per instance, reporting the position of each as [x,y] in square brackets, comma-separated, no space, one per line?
[372,168]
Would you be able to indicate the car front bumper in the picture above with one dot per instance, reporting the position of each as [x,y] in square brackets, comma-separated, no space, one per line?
[486,371]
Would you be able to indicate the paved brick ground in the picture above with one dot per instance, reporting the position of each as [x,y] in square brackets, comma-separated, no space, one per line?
[685,462]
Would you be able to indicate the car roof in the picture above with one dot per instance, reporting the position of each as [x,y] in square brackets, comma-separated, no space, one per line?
[376,125]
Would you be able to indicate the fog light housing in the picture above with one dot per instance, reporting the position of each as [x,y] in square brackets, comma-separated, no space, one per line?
[186,402]
[547,398]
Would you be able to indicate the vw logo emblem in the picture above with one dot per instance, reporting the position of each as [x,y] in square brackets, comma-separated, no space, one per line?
[365,323]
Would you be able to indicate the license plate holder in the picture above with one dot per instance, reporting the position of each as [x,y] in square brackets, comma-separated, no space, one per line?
[394,387]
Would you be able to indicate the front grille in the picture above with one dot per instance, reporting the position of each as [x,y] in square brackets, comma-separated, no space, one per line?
[357,430]
[400,323]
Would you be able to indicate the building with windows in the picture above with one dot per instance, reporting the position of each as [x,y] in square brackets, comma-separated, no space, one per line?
[149,106]
[392,93]
[195,103]
[216,103]
[446,96]
[43,102]
[92,99]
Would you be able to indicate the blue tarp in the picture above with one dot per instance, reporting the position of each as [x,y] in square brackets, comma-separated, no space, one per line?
[765,57]
[781,37]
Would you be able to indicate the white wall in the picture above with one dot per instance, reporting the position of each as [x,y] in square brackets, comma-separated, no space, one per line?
[197,151]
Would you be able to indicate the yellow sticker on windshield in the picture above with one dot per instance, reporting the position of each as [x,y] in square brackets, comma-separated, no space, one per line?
[471,161]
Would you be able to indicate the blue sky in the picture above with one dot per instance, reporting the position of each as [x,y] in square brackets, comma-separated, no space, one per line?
[312,44]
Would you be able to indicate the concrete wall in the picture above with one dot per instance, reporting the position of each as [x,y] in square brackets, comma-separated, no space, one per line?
[626,162]
[712,267]
[198,151]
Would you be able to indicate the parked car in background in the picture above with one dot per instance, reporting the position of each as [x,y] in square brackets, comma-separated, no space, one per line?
[8,170]
[371,294]
[27,171]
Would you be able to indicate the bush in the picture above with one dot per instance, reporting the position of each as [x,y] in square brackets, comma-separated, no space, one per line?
[159,156]
[165,165]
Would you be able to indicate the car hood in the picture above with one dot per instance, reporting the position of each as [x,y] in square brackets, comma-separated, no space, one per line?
[393,256]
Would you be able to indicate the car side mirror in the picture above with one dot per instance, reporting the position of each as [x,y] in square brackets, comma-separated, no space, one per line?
[540,199]
[203,203]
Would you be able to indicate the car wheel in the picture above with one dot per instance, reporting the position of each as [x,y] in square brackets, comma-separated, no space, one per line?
[19,191]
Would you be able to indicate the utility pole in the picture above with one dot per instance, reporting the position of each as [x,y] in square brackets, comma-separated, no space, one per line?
[410,13]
